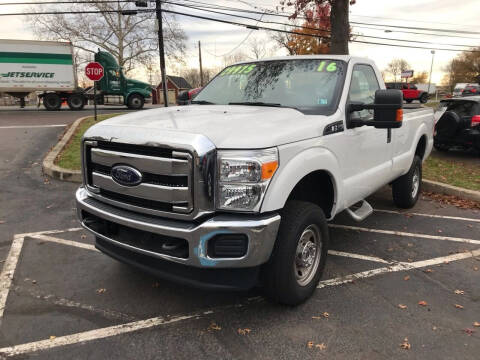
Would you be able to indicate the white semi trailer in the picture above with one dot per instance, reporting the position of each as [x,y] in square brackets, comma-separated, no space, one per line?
[27,66]
[48,67]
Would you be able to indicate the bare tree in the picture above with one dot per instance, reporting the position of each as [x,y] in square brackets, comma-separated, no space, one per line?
[257,48]
[234,58]
[193,76]
[397,66]
[284,40]
[130,39]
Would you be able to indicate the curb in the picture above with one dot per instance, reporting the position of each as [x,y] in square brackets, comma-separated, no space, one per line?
[445,189]
[55,171]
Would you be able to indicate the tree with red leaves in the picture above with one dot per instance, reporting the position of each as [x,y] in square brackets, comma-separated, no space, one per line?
[340,27]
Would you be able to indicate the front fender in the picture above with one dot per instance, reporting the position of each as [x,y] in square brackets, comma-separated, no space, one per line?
[294,168]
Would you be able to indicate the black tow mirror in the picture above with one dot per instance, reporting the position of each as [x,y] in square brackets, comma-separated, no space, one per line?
[387,110]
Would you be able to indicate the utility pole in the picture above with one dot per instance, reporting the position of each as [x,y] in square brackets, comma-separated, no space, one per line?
[431,69]
[161,50]
[200,59]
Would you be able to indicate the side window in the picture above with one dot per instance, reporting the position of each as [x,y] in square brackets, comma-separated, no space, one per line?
[362,89]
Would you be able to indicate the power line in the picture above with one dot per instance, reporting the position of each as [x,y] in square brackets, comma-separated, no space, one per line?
[315,29]
[230,23]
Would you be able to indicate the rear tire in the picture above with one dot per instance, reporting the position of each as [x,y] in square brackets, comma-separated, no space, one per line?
[406,189]
[424,98]
[76,102]
[52,101]
[409,101]
[292,274]
[135,102]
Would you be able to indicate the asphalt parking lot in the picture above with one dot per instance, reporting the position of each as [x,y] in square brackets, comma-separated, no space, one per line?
[398,285]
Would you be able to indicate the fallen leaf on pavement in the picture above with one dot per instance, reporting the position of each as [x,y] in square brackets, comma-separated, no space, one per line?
[440,231]
[244,331]
[34,281]
[214,326]
[83,237]
[405,344]
[458,306]
[422,303]
[476,324]
[101,291]
[406,278]
[52,337]
[434,328]
[310,344]
[410,245]
[325,314]
[321,346]
[427,270]
[2,222]
[475,268]
[401,306]
[469,331]
[459,292]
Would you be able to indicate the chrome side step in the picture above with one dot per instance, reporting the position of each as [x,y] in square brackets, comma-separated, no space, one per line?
[362,212]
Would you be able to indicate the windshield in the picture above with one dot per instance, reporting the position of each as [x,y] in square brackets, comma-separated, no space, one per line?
[311,86]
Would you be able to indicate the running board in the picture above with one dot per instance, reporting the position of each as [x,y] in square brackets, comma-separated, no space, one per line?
[362,212]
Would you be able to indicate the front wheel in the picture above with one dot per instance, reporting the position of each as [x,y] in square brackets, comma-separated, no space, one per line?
[292,274]
[135,101]
[406,189]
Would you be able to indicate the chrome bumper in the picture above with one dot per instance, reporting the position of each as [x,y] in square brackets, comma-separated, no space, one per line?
[260,230]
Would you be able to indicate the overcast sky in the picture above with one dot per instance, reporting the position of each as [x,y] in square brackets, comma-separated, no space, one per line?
[218,39]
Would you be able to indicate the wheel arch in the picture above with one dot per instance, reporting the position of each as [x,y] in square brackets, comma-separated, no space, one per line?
[302,179]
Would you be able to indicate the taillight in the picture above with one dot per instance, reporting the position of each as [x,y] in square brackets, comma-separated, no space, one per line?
[475,120]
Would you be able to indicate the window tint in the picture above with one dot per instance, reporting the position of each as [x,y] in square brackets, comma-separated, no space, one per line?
[362,88]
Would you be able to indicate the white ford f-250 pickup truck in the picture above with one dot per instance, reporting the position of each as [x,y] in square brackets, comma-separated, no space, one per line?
[236,189]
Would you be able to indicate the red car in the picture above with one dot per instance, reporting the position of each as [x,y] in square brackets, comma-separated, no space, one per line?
[410,92]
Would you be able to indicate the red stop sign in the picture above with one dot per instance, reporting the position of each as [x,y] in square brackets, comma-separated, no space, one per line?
[94,71]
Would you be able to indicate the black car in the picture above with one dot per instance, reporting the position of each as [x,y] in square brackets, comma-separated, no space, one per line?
[458,124]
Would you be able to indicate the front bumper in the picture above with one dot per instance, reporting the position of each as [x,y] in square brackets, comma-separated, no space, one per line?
[260,230]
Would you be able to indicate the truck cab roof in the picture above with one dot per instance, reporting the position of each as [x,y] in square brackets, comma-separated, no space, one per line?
[346,58]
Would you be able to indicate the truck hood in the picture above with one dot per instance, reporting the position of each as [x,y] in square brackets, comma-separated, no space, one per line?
[227,126]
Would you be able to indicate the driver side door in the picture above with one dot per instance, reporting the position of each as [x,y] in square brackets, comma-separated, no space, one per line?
[368,157]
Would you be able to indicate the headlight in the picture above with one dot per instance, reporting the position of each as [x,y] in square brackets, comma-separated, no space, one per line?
[243,178]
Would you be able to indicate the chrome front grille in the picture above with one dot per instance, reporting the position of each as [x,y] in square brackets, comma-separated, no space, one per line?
[167,177]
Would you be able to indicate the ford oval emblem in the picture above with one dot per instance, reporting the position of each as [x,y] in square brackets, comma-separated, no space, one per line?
[126,175]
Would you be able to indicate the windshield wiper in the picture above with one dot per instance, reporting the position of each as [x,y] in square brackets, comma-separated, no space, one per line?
[255,103]
[202,102]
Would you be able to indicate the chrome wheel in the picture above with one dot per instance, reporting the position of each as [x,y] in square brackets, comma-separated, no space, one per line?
[307,256]
[415,182]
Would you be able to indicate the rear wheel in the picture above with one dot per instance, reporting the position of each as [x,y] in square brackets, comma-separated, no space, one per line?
[292,274]
[135,101]
[424,98]
[52,101]
[406,189]
[409,101]
[76,102]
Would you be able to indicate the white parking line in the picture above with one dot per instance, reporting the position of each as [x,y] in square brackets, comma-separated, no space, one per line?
[427,215]
[9,267]
[65,242]
[47,232]
[32,126]
[407,234]
[401,266]
[357,256]
[93,335]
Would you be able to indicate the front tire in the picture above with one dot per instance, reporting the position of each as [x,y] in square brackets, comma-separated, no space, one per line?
[135,101]
[406,189]
[292,274]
